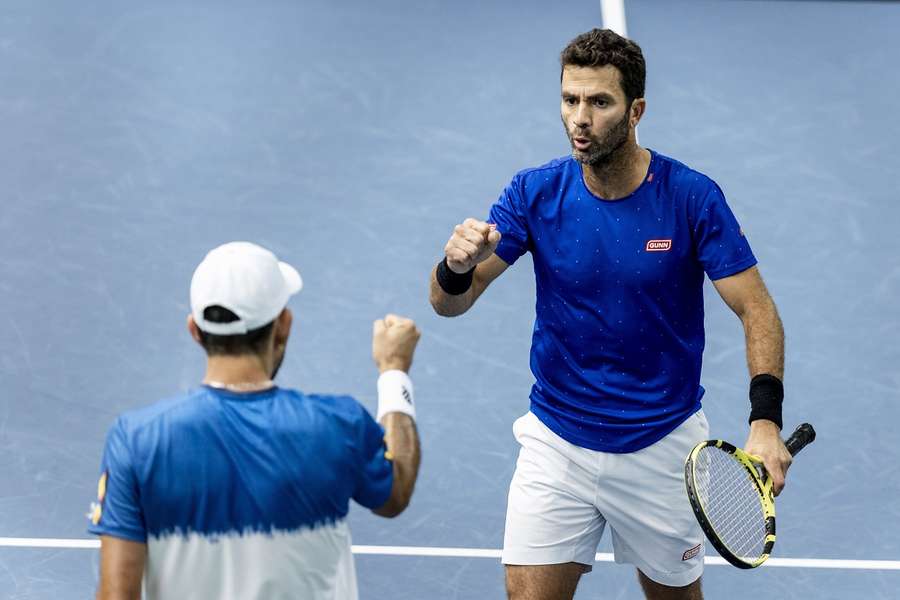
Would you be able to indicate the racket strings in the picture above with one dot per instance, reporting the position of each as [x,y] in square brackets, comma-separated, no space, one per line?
[731,503]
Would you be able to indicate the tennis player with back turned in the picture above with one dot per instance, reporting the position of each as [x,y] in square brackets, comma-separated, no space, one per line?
[621,237]
[239,489]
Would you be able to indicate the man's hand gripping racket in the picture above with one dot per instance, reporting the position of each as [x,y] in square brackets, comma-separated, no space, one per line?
[733,499]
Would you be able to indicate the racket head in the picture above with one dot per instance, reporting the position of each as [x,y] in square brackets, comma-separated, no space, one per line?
[734,505]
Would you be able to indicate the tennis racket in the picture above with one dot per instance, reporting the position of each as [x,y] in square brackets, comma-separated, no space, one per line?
[733,500]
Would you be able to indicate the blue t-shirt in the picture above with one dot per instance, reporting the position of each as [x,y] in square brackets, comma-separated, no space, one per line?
[242,495]
[618,336]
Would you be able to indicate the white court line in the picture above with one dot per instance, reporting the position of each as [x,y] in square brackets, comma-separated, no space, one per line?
[11,542]
[795,563]
[613,14]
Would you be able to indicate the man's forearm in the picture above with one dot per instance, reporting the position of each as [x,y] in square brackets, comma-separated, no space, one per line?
[765,339]
[403,450]
[448,305]
[765,356]
[121,569]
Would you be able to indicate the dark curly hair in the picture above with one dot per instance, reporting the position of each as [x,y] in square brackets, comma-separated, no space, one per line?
[601,47]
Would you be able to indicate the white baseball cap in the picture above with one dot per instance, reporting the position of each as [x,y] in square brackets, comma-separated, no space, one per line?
[246,279]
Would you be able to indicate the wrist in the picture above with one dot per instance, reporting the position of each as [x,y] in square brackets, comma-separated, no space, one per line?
[395,394]
[456,269]
[450,281]
[766,397]
[764,426]
[393,364]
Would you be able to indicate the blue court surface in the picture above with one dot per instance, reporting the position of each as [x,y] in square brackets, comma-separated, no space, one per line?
[350,137]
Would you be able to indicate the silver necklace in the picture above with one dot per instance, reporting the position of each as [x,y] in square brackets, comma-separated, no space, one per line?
[242,386]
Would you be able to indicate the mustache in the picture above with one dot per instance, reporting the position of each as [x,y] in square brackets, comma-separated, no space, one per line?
[581,132]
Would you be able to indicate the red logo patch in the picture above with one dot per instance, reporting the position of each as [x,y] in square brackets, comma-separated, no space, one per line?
[659,246]
[692,552]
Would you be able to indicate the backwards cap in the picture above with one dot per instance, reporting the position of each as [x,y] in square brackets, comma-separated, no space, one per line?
[246,279]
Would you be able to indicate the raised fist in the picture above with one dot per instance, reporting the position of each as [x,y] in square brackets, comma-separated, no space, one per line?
[471,243]
[394,340]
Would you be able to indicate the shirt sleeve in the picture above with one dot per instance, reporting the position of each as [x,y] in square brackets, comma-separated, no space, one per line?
[117,511]
[376,473]
[508,213]
[721,246]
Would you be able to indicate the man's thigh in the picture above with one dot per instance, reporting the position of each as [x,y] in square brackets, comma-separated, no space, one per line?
[644,501]
[550,516]
[543,582]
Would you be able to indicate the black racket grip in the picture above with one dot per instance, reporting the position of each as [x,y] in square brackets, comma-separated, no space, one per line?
[802,436]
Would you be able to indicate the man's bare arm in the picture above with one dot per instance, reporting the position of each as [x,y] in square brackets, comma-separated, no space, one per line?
[121,568]
[468,253]
[746,294]
[402,441]
[748,297]
[448,305]
[394,342]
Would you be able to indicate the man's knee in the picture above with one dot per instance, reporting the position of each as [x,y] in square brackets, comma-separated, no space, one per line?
[543,582]
[658,591]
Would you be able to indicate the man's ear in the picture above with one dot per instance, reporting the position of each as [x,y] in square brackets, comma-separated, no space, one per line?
[283,324]
[638,108]
[193,329]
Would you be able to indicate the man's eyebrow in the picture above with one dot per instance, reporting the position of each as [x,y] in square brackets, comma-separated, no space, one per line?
[597,96]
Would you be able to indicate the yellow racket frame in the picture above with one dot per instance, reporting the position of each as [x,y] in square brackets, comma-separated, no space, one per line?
[762,486]
[804,435]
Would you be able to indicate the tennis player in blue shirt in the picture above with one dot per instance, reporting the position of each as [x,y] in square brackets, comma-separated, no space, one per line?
[621,238]
[239,489]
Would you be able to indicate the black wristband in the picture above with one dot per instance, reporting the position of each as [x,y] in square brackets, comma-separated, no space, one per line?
[451,282]
[766,396]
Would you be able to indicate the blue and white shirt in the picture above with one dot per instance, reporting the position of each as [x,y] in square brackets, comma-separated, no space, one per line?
[243,495]
[618,335]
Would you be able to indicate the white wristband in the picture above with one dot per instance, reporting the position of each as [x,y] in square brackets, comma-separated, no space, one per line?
[395,394]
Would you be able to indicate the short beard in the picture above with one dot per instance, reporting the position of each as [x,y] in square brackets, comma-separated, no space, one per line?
[604,149]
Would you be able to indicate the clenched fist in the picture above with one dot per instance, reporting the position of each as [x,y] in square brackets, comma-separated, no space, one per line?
[471,243]
[394,340]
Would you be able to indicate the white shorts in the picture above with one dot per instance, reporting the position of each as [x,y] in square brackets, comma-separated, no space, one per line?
[562,496]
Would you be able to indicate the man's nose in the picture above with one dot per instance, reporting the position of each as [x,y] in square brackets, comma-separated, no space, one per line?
[581,118]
